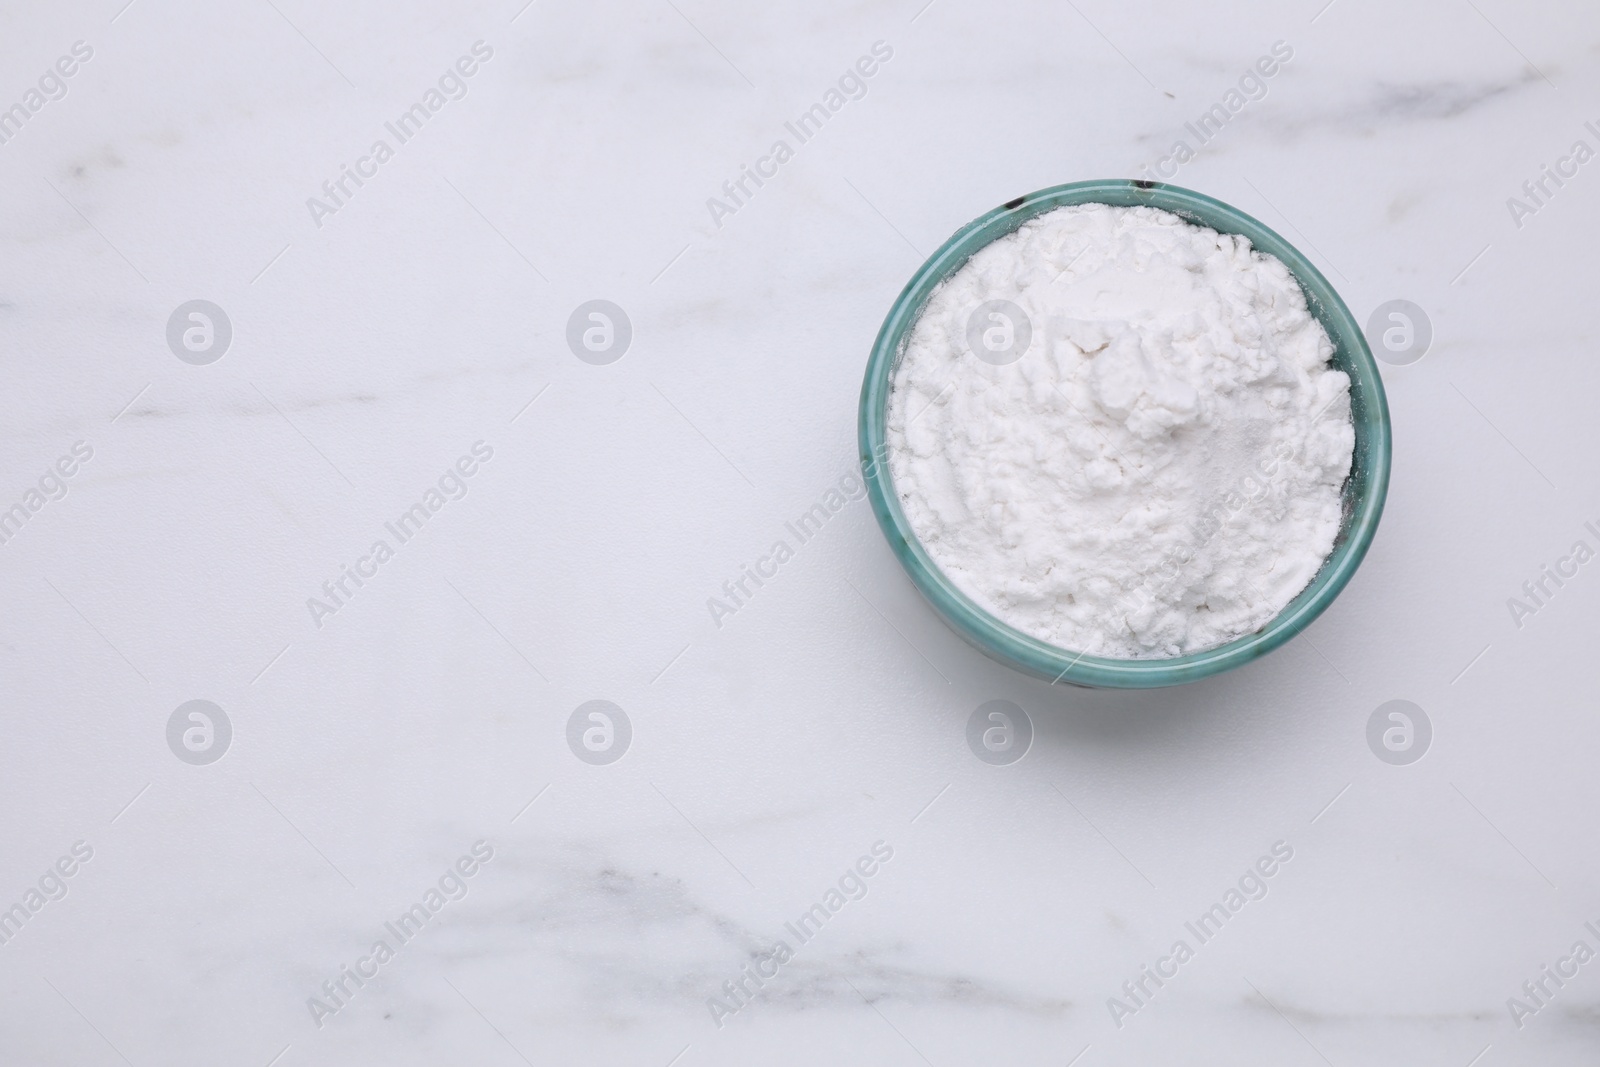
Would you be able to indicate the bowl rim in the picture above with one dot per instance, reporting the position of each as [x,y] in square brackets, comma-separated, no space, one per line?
[1371,458]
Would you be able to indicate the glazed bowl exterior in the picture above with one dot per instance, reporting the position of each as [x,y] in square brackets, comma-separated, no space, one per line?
[1363,494]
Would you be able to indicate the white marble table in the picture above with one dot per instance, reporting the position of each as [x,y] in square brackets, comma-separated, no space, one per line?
[371,744]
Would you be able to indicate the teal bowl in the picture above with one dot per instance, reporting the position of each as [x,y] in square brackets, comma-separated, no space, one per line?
[1364,490]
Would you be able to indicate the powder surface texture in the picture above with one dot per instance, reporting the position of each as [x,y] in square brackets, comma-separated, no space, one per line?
[1142,455]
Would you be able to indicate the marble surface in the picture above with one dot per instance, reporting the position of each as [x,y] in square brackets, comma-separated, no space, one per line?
[376,743]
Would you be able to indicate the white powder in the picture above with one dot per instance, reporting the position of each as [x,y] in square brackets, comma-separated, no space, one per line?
[1160,472]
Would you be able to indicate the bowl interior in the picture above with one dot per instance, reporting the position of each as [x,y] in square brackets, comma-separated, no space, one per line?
[1363,493]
